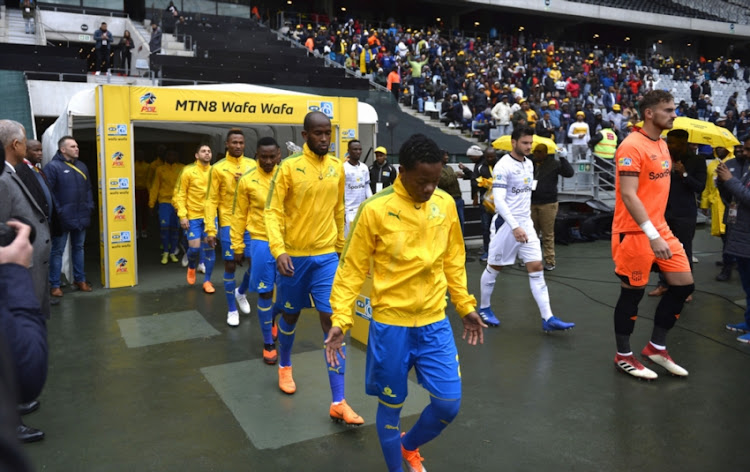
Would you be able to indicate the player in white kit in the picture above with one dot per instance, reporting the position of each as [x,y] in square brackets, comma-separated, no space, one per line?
[516,236]
[357,183]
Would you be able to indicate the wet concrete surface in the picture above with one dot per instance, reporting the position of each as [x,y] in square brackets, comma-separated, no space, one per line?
[531,402]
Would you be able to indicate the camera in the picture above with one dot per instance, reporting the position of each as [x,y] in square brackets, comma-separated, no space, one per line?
[8,233]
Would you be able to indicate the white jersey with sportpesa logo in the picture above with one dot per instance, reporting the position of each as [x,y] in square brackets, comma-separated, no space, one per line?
[514,179]
[357,185]
[517,179]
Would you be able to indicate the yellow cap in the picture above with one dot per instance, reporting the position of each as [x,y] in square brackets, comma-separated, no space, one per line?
[616,107]
[580,113]
[380,149]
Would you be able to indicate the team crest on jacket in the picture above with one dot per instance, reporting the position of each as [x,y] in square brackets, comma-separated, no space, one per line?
[331,172]
[435,212]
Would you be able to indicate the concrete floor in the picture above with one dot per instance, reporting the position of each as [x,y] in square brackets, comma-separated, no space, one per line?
[152,379]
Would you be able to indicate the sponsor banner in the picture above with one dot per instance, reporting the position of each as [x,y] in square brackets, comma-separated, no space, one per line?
[173,104]
[117,192]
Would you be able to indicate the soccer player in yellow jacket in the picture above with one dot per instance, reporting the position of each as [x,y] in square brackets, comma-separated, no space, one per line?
[190,200]
[249,205]
[411,234]
[161,190]
[222,183]
[305,225]
[141,171]
[161,151]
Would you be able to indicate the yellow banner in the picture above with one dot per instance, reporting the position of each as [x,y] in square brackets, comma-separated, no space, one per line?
[119,106]
[117,201]
[168,104]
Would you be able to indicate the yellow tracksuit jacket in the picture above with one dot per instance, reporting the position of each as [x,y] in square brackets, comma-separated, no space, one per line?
[710,198]
[155,164]
[190,193]
[222,182]
[142,169]
[249,207]
[162,187]
[305,206]
[417,251]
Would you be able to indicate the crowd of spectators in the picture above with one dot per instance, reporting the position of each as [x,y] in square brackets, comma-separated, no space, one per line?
[498,81]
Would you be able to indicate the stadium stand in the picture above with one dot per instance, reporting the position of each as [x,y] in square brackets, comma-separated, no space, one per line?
[240,50]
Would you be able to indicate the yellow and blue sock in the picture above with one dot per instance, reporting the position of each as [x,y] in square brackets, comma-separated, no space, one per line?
[433,420]
[164,237]
[229,286]
[286,340]
[193,254]
[265,318]
[388,425]
[336,375]
[245,282]
[174,239]
[209,259]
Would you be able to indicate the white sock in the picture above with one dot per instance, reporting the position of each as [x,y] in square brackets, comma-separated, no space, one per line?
[539,290]
[625,355]
[661,348]
[486,286]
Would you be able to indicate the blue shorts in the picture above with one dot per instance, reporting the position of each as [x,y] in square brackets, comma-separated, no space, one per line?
[393,350]
[226,243]
[168,216]
[263,268]
[196,230]
[313,277]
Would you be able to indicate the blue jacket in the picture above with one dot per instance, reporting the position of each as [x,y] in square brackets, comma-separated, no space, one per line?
[737,189]
[71,190]
[99,35]
[23,327]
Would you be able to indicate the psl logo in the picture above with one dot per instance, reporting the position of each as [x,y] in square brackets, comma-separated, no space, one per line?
[665,165]
[147,103]
[119,213]
[121,266]
[117,159]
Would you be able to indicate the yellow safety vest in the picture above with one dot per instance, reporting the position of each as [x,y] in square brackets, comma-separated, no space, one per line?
[605,148]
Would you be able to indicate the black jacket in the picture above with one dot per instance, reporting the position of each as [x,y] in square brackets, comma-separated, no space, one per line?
[545,173]
[385,175]
[682,203]
[737,189]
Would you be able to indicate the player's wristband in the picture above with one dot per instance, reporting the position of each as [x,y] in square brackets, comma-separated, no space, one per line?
[650,230]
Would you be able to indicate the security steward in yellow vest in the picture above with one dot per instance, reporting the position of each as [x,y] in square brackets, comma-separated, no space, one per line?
[604,144]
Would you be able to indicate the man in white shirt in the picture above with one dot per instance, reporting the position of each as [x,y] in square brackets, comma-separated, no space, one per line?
[516,236]
[357,183]
[579,136]
[501,114]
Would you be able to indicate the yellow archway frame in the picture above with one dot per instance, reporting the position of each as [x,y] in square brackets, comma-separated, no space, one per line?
[118,107]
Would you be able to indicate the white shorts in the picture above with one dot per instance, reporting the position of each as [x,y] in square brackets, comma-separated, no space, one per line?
[349,217]
[504,248]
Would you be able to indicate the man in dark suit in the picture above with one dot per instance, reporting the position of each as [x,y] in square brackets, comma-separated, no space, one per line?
[18,203]
[19,200]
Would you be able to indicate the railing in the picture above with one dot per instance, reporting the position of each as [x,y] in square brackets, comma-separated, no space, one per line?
[82,10]
[61,76]
[328,62]
[45,28]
